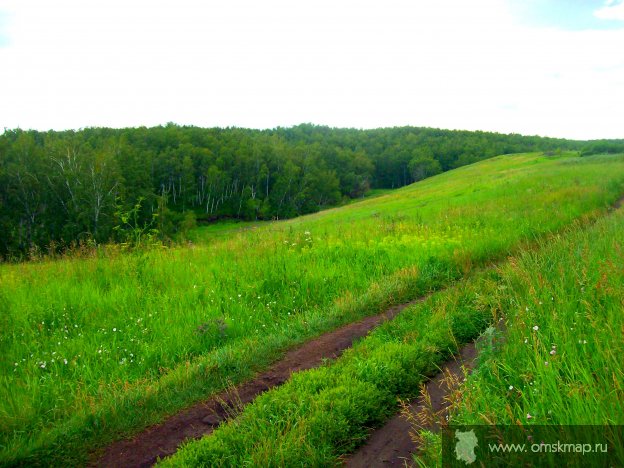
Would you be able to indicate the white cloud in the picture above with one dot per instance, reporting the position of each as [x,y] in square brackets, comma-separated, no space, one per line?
[366,63]
[613,10]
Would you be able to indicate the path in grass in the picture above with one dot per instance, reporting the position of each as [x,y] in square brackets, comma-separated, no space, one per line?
[389,445]
[319,416]
[163,439]
[98,349]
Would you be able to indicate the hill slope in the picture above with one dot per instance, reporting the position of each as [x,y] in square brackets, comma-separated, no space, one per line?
[97,348]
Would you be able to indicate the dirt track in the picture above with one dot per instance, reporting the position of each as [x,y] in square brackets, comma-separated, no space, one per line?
[200,419]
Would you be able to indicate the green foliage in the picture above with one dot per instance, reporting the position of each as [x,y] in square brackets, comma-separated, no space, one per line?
[60,187]
[132,231]
[423,165]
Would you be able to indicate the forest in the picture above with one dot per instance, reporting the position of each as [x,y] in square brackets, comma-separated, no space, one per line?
[60,189]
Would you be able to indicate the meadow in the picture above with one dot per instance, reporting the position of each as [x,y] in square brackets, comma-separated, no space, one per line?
[556,360]
[96,348]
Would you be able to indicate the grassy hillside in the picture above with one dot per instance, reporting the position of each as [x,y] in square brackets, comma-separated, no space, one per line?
[560,362]
[95,348]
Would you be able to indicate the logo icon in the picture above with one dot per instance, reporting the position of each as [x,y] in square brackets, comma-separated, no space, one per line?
[466,444]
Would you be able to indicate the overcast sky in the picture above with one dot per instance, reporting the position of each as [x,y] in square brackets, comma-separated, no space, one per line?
[545,67]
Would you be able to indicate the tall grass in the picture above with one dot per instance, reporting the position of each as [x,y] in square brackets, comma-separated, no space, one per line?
[92,349]
[322,414]
[560,362]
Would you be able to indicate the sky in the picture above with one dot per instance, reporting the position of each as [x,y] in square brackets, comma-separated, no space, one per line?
[535,67]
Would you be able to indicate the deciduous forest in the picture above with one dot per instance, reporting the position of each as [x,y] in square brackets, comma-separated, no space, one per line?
[59,189]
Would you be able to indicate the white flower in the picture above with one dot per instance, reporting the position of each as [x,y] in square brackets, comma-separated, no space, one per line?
[114,329]
[65,361]
[535,328]
[553,352]
[511,387]
[529,416]
[545,363]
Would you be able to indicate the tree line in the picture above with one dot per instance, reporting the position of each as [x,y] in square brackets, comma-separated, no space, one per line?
[99,184]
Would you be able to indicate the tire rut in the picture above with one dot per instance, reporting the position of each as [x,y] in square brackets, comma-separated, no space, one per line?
[392,444]
[162,440]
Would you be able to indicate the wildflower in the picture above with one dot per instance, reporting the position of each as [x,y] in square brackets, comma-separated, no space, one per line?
[535,328]
[545,363]
[43,365]
[114,329]
[511,387]
[529,416]
[65,361]
[553,352]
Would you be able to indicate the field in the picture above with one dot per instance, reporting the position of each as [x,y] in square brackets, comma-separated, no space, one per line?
[97,348]
[559,362]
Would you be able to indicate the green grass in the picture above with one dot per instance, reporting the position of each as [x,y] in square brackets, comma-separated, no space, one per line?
[560,362]
[320,415]
[95,348]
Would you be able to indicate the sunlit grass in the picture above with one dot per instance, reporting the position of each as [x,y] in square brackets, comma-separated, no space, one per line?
[560,361]
[93,348]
